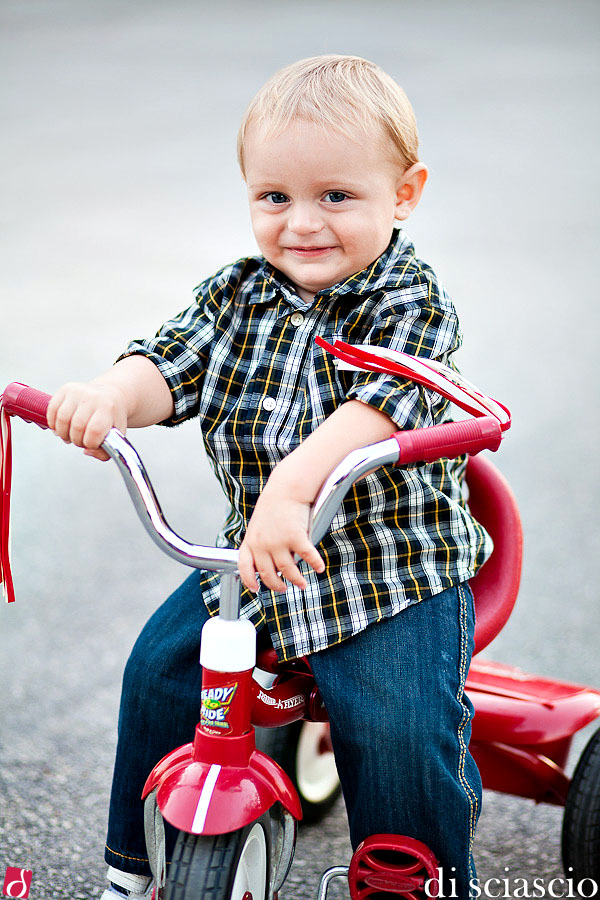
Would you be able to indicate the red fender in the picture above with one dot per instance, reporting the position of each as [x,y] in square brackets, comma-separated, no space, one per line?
[218,784]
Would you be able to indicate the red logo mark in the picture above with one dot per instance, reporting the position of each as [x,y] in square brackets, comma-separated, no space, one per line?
[16,882]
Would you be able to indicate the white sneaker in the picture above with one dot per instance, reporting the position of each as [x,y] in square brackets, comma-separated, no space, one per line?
[134,887]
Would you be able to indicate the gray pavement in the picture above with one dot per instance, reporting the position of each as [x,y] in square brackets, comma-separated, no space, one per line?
[120,193]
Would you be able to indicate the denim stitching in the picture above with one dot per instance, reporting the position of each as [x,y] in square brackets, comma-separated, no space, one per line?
[468,789]
[123,856]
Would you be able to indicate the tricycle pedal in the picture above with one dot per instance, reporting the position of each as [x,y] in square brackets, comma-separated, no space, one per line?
[394,864]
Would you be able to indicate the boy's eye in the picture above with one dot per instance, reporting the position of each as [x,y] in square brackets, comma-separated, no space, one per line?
[336,196]
[276,197]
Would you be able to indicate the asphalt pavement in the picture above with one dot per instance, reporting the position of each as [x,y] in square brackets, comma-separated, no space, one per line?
[121,192]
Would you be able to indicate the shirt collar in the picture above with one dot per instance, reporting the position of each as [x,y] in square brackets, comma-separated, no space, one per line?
[385,272]
[270,282]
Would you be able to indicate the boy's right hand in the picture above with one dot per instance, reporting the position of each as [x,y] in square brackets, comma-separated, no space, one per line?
[83,414]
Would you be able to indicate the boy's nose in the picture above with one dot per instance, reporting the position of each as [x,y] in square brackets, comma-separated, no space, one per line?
[304,219]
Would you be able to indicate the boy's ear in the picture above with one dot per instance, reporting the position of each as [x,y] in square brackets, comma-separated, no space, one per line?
[410,188]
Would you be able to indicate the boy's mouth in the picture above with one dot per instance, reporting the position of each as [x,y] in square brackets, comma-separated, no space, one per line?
[310,251]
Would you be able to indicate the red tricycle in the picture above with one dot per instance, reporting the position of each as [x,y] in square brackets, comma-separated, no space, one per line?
[235,807]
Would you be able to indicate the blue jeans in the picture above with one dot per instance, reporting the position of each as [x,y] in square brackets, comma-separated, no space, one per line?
[400,724]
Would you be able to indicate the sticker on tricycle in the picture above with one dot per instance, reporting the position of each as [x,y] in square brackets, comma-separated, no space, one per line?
[216,703]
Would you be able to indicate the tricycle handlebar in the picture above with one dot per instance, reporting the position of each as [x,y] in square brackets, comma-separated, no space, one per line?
[404,447]
[150,514]
[27,403]
[448,440]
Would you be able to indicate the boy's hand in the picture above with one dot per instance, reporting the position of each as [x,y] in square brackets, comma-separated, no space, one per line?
[83,414]
[277,530]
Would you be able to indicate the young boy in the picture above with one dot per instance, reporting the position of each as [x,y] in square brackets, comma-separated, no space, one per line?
[328,151]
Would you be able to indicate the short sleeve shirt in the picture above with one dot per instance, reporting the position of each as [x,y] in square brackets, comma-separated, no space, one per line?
[243,360]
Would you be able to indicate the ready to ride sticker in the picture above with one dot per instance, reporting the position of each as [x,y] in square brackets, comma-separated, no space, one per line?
[214,711]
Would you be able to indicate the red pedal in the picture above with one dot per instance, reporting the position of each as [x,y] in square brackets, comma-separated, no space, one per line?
[394,863]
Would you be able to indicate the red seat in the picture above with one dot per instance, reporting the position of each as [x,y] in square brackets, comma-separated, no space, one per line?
[495,586]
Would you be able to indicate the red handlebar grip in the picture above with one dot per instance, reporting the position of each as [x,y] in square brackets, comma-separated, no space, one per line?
[449,440]
[26,403]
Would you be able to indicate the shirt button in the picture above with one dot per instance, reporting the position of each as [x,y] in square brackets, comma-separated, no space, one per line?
[297,318]
[269,403]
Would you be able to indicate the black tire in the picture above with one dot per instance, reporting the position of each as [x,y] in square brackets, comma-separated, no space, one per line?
[581,821]
[204,867]
[295,748]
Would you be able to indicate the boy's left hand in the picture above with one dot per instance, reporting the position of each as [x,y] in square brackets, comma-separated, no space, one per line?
[277,530]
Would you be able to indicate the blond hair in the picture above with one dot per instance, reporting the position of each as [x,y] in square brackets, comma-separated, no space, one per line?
[337,92]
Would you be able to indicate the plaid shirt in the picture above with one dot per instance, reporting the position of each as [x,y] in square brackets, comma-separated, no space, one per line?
[243,359]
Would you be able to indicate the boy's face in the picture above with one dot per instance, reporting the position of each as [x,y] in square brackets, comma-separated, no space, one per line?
[322,204]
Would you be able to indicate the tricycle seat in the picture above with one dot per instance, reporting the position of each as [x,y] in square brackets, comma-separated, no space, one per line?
[496,585]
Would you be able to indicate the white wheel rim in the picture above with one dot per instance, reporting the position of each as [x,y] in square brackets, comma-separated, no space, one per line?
[251,872]
[316,773]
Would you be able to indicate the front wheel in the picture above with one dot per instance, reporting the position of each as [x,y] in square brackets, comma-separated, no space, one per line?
[232,866]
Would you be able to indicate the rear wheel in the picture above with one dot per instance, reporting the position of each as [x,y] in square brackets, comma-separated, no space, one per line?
[233,866]
[304,752]
[581,821]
